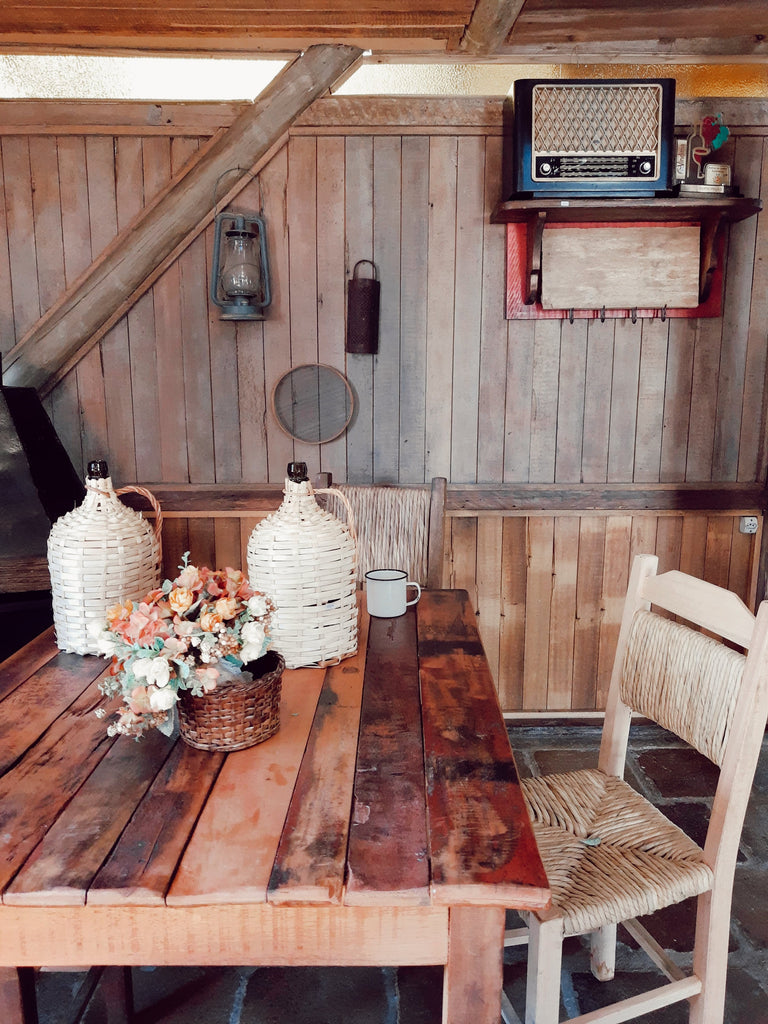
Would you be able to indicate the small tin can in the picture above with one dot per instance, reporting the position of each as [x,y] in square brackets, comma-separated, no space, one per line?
[717,174]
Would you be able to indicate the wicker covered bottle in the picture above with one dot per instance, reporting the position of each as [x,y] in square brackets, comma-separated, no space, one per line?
[99,554]
[304,558]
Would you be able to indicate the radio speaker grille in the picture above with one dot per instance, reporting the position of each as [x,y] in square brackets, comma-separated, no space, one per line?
[600,119]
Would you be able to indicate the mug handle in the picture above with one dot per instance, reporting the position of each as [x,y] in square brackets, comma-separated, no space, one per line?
[418,595]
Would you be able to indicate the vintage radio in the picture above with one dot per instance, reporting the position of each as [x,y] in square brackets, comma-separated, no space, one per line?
[585,137]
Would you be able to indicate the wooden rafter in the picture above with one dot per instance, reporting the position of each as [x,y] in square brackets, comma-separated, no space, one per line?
[123,272]
[491,23]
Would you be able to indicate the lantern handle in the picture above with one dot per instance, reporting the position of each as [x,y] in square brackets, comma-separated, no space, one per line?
[375,272]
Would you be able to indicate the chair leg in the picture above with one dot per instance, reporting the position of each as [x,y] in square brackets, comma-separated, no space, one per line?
[710,957]
[545,955]
[602,946]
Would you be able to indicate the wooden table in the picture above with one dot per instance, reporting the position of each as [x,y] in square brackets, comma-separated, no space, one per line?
[382,825]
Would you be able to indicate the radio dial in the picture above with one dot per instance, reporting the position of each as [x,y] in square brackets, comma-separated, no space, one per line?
[545,168]
[645,167]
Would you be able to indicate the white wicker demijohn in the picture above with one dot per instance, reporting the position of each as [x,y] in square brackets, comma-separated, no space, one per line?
[99,554]
[304,558]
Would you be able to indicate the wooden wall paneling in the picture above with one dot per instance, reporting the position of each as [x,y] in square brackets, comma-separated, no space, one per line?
[597,401]
[544,395]
[489,590]
[669,538]
[7,329]
[701,431]
[140,320]
[273,182]
[92,161]
[166,292]
[519,406]
[717,557]
[46,207]
[195,368]
[494,329]
[624,387]
[538,600]
[175,543]
[752,442]
[226,534]
[440,304]
[20,223]
[387,246]
[64,413]
[616,566]
[414,233]
[693,545]
[468,299]
[643,535]
[650,401]
[514,561]
[250,379]
[588,611]
[571,401]
[677,399]
[463,556]
[562,622]
[201,537]
[303,250]
[331,280]
[736,308]
[358,202]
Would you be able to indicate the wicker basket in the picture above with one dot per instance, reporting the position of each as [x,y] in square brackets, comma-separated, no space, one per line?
[304,559]
[237,714]
[100,554]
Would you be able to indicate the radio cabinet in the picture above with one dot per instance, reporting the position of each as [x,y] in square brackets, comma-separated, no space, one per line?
[526,220]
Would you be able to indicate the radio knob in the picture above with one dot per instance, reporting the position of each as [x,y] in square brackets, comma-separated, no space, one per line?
[545,168]
[645,167]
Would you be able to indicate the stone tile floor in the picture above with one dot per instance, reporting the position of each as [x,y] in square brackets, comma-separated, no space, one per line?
[676,778]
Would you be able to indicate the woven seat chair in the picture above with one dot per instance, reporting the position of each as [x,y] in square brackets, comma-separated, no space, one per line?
[609,854]
[397,527]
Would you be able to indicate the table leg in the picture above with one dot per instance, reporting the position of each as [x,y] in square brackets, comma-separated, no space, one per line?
[11,999]
[473,975]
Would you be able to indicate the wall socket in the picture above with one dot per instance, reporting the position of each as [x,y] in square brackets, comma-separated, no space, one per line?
[748,524]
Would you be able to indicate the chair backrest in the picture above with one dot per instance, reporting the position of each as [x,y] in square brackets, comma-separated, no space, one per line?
[696,686]
[397,527]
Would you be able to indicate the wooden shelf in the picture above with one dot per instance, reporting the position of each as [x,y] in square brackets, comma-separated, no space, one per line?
[711,212]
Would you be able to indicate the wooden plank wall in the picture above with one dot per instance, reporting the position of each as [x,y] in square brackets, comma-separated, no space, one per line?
[174,395]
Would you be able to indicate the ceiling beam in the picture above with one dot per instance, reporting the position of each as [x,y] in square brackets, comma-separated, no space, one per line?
[116,279]
[489,26]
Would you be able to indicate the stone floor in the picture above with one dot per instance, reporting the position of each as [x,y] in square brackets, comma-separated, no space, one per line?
[675,777]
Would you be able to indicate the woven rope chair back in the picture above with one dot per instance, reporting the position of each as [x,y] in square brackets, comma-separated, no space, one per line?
[392,527]
[682,679]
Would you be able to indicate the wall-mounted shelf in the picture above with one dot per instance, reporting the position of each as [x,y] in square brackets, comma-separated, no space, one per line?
[712,213]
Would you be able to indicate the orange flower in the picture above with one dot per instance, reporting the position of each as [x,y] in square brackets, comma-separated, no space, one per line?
[181,600]
[209,620]
[226,607]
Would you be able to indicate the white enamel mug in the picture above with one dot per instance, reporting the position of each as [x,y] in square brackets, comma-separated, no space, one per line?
[386,592]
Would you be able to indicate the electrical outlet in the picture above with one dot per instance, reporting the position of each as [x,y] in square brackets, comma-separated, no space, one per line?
[748,524]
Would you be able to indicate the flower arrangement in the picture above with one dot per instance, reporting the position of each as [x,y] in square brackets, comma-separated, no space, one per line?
[194,633]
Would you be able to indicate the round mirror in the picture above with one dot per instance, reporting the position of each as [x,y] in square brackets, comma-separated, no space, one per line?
[313,403]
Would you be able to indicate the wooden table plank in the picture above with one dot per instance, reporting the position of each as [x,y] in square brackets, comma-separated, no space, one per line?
[62,866]
[311,858]
[481,844]
[24,662]
[35,790]
[30,709]
[144,860]
[387,857]
[230,855]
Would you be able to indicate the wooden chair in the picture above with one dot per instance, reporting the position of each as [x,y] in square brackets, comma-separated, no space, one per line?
[397,527]
[609,854]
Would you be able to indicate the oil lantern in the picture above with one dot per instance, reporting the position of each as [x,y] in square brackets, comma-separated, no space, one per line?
[240,268]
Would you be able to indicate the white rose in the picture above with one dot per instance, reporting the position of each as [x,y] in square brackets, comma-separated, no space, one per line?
[257,605]
[103,639]
[161,700]
[154,670]
[253,633]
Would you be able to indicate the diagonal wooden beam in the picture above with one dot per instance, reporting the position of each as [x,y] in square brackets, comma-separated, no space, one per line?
[116,278]
[489,26]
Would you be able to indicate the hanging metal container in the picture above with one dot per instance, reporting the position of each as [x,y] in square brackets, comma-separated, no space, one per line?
[305,559]
[100,554]
[363,299]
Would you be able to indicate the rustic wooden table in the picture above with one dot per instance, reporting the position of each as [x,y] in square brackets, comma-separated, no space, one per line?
[382,825]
